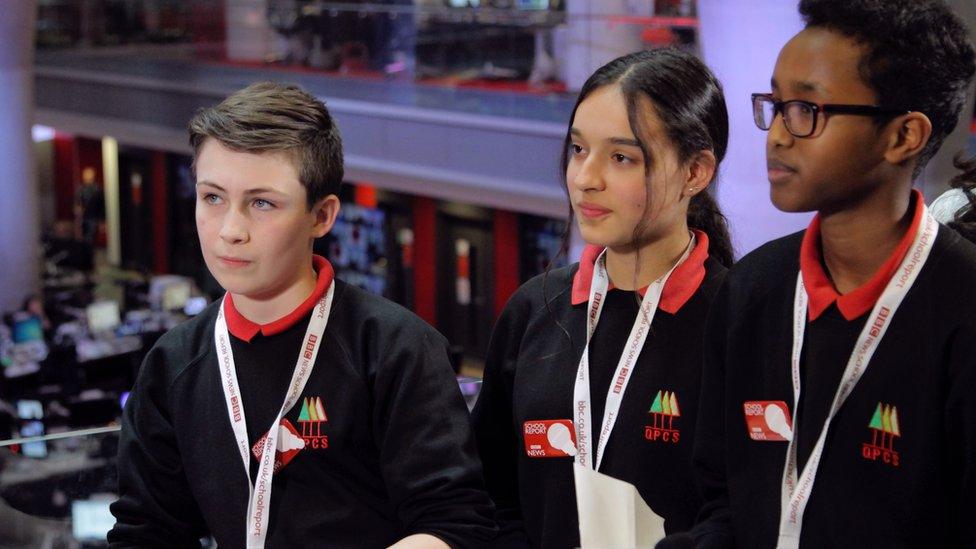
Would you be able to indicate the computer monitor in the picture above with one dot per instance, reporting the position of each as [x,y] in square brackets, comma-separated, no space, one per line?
[195,306]
[176,295]
[27,328]
[30,409]
[169,292]
[31,412]
[103,316]
[91,519]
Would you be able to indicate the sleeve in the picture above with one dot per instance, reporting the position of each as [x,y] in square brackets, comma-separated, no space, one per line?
[427,452]
[155,506]
[960,414]
[494,426]
[713,528]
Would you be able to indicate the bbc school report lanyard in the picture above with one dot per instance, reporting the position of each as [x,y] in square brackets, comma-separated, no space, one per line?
[635,342]
[795,493]
[259,496]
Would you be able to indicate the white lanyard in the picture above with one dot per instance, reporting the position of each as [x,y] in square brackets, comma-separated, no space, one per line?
[796,493]
[635,342]
[259,498]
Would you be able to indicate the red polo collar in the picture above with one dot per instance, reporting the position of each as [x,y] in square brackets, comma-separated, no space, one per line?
[679,288]
[245,330]
[820,289]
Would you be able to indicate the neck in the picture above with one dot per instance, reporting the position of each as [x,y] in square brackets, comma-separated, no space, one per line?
[857,240]
[269,307]
[631,268]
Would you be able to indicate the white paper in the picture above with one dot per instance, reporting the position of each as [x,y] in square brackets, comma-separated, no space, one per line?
[612,514]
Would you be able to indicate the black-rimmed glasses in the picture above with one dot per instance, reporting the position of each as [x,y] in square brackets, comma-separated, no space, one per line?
[800,117]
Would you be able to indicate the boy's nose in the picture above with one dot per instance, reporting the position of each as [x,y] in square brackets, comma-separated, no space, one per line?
[233,230]
[778,135]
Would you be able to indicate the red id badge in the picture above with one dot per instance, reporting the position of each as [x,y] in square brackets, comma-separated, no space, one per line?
[289,444]
[768,420]
[547,438]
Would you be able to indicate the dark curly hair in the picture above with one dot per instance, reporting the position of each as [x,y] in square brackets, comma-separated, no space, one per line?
[918,55]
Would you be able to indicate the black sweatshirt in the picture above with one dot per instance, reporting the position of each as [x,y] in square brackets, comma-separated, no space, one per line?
[388,450]
[899,463]
[530,373]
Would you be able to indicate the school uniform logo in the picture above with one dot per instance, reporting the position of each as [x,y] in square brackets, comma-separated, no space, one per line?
[311,419]
[549,438]
[884,429]
[663,411]
[291,441]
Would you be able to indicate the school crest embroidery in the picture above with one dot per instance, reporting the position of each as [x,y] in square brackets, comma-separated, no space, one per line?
[290,441]
[311,419]
[884,428]
[663,411]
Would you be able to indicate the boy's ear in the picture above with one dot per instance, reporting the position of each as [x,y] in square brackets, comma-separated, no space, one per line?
[699,172]
[909,135]
[326,212]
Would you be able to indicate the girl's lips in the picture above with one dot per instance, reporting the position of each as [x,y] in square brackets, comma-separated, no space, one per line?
[592,211]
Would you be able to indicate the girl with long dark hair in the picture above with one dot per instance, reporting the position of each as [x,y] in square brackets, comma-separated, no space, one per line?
[599,362]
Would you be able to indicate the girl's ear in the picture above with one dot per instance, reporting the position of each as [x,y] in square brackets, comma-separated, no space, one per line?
[699,171]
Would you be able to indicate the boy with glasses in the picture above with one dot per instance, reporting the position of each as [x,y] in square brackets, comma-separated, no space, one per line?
[838,405]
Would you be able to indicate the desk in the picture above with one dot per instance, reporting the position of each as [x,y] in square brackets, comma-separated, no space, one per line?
[89,350]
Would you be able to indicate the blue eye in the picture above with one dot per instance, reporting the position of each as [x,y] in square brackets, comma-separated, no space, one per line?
[263,204]
[211,198]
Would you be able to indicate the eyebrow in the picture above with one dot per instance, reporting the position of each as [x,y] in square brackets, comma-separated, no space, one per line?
[627,141]
[259,190]
[802,86]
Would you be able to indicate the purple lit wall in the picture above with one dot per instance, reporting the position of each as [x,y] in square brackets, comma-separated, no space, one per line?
[740,42]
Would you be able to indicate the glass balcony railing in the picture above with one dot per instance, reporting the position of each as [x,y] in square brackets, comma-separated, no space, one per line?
[527,46]
[55,489]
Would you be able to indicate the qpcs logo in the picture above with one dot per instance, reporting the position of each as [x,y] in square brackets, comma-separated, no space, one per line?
[663,411]
[884,426]
[290,441]
[311,419]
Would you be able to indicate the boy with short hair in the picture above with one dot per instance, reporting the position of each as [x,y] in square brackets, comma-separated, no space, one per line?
[298,410]
[838,405]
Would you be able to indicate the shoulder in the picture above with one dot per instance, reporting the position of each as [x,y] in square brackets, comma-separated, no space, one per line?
[715,274]
[770,267]
[180,348]
[956,251]
[550,287]
[771,258]
[951,271]
[356,311]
